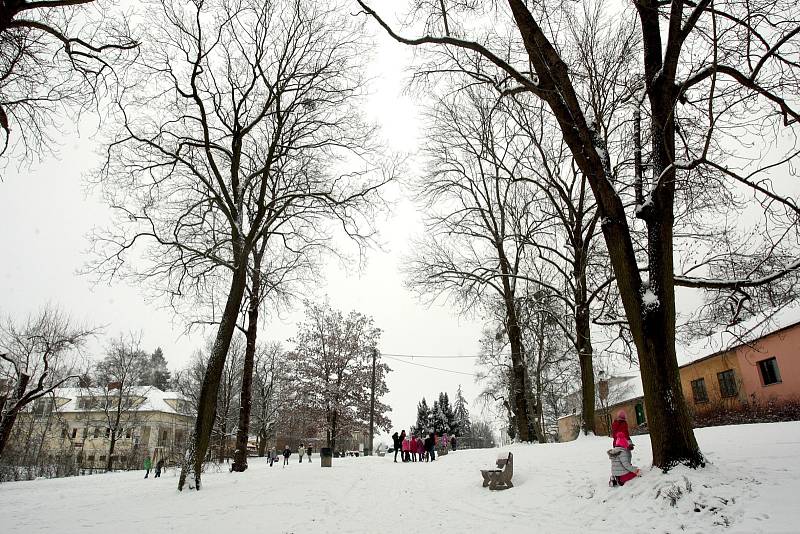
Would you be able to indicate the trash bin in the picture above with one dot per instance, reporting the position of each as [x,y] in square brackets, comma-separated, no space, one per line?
[326,456]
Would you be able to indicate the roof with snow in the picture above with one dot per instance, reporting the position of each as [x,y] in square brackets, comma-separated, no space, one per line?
[748,331]
[154,399]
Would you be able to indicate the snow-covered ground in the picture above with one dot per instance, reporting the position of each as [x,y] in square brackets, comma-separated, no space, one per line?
[752,485]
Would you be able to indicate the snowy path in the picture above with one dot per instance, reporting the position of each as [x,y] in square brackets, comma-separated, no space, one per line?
[752,486]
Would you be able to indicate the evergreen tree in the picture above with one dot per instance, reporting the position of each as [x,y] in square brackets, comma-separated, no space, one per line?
[462,423]
[439,419]
[156,373]
[447,411]
[423,418]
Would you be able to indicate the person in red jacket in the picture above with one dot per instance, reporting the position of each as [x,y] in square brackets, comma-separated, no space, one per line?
[413,448]
[420,449]
[620,424]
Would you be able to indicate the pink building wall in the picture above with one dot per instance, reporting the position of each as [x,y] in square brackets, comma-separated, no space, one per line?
[784,345]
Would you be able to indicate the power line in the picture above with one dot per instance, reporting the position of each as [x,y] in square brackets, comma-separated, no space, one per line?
[429,366]
[429,356]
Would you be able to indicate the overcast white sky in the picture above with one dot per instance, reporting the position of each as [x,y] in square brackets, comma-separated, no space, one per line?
[47,214]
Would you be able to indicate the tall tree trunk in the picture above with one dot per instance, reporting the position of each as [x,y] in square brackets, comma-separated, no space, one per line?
[583,340]
[246,398]
[671,434]
[520,379]
[652,327]
[112,445]
[216,363]
[332,435]
[10,416]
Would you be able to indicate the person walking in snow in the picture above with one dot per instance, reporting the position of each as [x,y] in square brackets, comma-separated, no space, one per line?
[148,464]
[430,444]
[286,453]
[453,442]
[273,455]
[445,441]
[301,451]
[620,424]
[622,470]
[397,443]
[308,453]
[159,467]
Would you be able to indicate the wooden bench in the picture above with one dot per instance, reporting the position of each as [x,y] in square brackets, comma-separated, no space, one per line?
[499,479]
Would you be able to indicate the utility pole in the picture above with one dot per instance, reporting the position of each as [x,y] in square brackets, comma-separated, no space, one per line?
[372,403]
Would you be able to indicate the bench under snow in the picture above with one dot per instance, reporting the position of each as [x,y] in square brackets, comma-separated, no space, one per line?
[500,479]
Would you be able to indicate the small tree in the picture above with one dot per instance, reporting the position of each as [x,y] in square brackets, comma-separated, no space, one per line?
[461,420]
[423,418]
[156,373]
[333,364]
[119,394]
[36,356]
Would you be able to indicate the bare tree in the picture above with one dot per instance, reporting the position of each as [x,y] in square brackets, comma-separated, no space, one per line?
[479,242]
[709,72]
[240,122]
[118,395]
[37,356]
[273,282]
[55,55]
[271,391]
[333,366]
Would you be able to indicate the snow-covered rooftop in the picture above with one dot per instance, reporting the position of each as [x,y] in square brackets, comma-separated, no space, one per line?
[737,335]
[155,400]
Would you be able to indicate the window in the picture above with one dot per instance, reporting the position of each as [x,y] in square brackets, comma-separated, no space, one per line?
[74,432]
[727,383]
[84,432]
[128,433]
[90,458]
[640,419]
[699,392]
[769,371]
[103,458]
[97,432]
[42,406]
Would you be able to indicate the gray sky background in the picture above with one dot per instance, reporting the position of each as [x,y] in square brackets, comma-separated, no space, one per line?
[47,214]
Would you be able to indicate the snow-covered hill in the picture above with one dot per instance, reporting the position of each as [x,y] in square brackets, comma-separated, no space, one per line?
[751,485]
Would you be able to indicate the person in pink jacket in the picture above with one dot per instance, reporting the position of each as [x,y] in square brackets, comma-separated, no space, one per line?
[420,449]
[412,448]
[406,448]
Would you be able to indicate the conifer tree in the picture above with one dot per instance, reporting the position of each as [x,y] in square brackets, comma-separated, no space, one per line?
[462,423]
[423,418]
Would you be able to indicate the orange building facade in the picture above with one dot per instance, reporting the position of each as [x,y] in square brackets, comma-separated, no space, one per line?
[746,371]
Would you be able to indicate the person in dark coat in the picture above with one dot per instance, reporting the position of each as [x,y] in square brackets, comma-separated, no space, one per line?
[286,453]
[429,444]
[396,442]
[308,452]
[159,467]
[453,442]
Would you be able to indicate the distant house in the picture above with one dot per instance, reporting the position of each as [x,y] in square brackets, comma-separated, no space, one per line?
[612,394]
[756,361]
[75,421]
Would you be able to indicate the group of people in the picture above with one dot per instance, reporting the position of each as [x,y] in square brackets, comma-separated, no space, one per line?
[622,468]
[413,448]
[148,464]
[287,452]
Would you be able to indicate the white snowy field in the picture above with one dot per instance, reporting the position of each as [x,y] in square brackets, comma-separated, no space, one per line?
[751,485]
